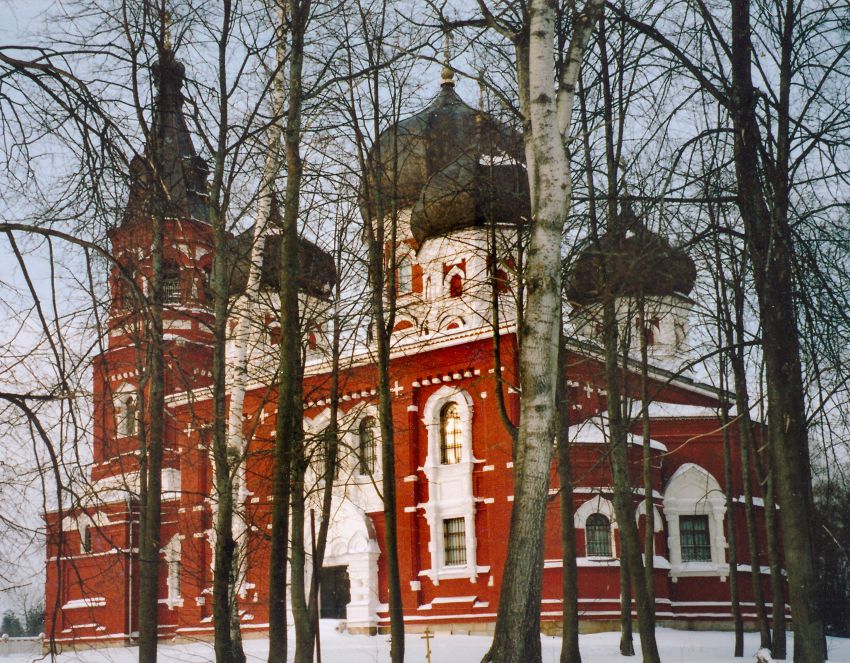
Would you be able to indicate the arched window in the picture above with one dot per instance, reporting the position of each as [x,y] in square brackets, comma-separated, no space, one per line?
[127,416]
[456,286]
[405,274]
[367,450]
[208,283]
[597,532]
[170,284]
[450,434]
[502,280]
[172,551]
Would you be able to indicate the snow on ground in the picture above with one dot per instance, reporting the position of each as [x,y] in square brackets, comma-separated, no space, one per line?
[675,647]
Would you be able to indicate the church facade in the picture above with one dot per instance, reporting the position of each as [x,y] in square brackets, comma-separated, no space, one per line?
[463,205]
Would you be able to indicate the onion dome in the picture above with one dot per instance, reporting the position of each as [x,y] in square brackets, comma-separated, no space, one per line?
[457,167]
[170,154]
[316,269]
[632,263]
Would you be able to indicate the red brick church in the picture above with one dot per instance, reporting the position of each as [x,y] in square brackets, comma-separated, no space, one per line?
[461,189]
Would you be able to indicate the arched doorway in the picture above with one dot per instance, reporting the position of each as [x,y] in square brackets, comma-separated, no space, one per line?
[349,575]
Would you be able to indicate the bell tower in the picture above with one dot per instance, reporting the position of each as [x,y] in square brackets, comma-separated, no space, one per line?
[169,180]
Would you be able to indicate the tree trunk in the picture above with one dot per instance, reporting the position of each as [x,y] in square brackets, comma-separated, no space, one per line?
[241,340]
[570,652]
[623,500]
[648,499]
[382,213]
[550,185]
[627,647]
[330,440]
[745,438]
[224,577]
[777,581]
[385,415]
[151,433]
[731,535]
[288,432]
[771,251]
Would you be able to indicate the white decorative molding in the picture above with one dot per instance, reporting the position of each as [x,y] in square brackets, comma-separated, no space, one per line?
[692,490]
[450,492]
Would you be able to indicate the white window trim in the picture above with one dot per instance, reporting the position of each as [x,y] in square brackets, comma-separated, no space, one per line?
[457,478]
[597,504]
[447,279]
[119,397]
[693,491]
[172,554]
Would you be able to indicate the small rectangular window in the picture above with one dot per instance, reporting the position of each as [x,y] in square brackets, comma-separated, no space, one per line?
[454,540]
[694,538]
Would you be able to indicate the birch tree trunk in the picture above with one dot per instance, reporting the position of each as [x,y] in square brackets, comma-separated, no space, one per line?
[549,113]
[241,338]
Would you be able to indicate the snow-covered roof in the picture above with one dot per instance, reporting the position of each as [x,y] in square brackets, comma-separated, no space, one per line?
[595,431]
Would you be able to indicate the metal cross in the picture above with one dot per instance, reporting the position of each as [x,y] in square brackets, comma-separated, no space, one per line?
[427,638]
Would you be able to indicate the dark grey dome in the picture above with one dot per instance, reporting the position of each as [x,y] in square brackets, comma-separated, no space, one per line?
[456,166]
[316,270]
[630,263]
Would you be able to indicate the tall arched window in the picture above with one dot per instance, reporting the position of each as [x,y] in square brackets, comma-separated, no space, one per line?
[127,416]
[368,446]
[597,532]
[405,274]
[450,434]
[85,542]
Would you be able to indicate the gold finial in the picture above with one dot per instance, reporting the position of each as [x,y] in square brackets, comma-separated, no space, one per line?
[447,75]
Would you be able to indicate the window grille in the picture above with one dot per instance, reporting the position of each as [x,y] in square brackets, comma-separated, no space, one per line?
[170,290]
[368,448]
[597,532]
[170,284]
[454,539]
[451,444]
[694,538]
